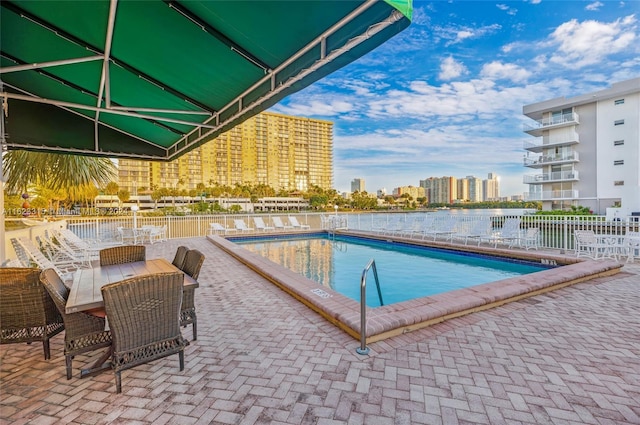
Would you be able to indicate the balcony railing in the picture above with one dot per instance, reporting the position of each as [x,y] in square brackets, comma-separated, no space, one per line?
[536,127]
[556,176]
[543,160]
[550,195]
[540,144]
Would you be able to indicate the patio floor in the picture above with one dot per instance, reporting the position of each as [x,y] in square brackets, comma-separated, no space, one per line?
[571,356]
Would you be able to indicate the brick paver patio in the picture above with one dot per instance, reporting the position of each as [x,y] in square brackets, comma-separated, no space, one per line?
[568,357]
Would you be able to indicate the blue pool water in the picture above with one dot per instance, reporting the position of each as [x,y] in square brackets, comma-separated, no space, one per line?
[405,272]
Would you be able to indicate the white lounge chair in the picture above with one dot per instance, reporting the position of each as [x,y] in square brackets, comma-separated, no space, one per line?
[296,225]
[446,229]
[241,226]
[479,229]
[260,225]
[508,234]
[215,228]
[279,224]
[28,253]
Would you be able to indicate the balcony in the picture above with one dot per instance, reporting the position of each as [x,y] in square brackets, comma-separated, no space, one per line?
[557,176]
[544,160]
[552,195]
[536,128]
[539,145]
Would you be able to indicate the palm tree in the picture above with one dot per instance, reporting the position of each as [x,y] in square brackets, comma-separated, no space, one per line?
[54,170]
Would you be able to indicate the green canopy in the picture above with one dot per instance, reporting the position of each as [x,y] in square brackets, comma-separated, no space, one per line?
[154,79]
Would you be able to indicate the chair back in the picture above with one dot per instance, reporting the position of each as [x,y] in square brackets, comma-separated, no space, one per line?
[240,224]
[585,237]
[122,254]
[56,289]
[192,263]
[178,259]
[27,312]
[510,227]
[144,310]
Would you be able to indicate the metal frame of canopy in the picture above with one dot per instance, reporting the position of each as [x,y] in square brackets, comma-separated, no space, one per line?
[117,91]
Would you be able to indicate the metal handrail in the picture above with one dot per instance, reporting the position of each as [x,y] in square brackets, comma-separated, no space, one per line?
[363,349]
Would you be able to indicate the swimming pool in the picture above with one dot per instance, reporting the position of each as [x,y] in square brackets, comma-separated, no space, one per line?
[407,316]
[405,271]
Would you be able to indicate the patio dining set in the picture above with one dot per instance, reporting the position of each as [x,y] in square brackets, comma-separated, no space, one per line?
[604,245]
[127,306]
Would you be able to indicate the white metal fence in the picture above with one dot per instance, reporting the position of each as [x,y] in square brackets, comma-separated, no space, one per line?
[556,232]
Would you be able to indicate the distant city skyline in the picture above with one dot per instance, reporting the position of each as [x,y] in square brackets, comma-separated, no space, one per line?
[445,96]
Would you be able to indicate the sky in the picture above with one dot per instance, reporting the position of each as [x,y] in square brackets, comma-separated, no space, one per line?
[444,97]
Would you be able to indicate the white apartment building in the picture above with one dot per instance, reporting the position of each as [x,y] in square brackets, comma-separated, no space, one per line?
[586,151]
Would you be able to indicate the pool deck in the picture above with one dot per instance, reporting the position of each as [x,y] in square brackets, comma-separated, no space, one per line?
[570,356]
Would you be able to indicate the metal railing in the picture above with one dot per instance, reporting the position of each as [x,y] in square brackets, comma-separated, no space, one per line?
[556,232]
[571,175]
[363,349]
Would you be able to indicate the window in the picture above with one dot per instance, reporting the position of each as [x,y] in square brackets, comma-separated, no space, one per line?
[618,122]
[618,142]
[618,183]
[618,162]
[618,102]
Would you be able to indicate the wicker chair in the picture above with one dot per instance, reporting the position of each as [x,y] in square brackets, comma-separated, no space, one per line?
[178,260]
[122,254]
[27,312]
[144,317]
[192,263]
[83,332]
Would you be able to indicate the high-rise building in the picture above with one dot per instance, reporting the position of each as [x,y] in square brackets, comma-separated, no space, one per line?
[440,190]
[357,185]
[284,152]
[414,192]
[491,188]
[587,151]
[475,188]
[463,190]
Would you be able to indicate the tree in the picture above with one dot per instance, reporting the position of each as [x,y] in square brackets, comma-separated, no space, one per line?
[111,189]
[54,170]
[123,195]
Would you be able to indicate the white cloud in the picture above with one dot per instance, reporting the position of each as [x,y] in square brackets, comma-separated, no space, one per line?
[504,71]
[457,34]
[509,10]
[594,6]
[450,69]
[585,43]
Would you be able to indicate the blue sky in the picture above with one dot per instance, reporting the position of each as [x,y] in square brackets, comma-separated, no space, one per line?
[445,96]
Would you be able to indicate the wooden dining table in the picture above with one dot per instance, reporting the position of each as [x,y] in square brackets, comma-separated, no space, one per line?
[86,295]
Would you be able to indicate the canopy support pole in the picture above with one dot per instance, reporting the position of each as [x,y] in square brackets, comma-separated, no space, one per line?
[3,253]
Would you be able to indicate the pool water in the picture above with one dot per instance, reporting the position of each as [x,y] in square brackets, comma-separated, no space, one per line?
[405,272]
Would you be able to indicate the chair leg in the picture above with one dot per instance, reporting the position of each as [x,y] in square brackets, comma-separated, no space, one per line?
[181,356]
[47,350]
[118,382]
[195,327]
[68,359]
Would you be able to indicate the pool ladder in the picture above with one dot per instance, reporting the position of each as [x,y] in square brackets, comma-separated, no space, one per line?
[363,349]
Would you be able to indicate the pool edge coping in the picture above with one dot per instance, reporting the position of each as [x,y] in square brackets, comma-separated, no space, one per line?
[399,318]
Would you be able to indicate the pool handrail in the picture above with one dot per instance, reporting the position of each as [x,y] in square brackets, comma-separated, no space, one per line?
[363,349]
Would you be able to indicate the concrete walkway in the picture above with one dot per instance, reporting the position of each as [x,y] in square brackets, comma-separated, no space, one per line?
[568,357]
